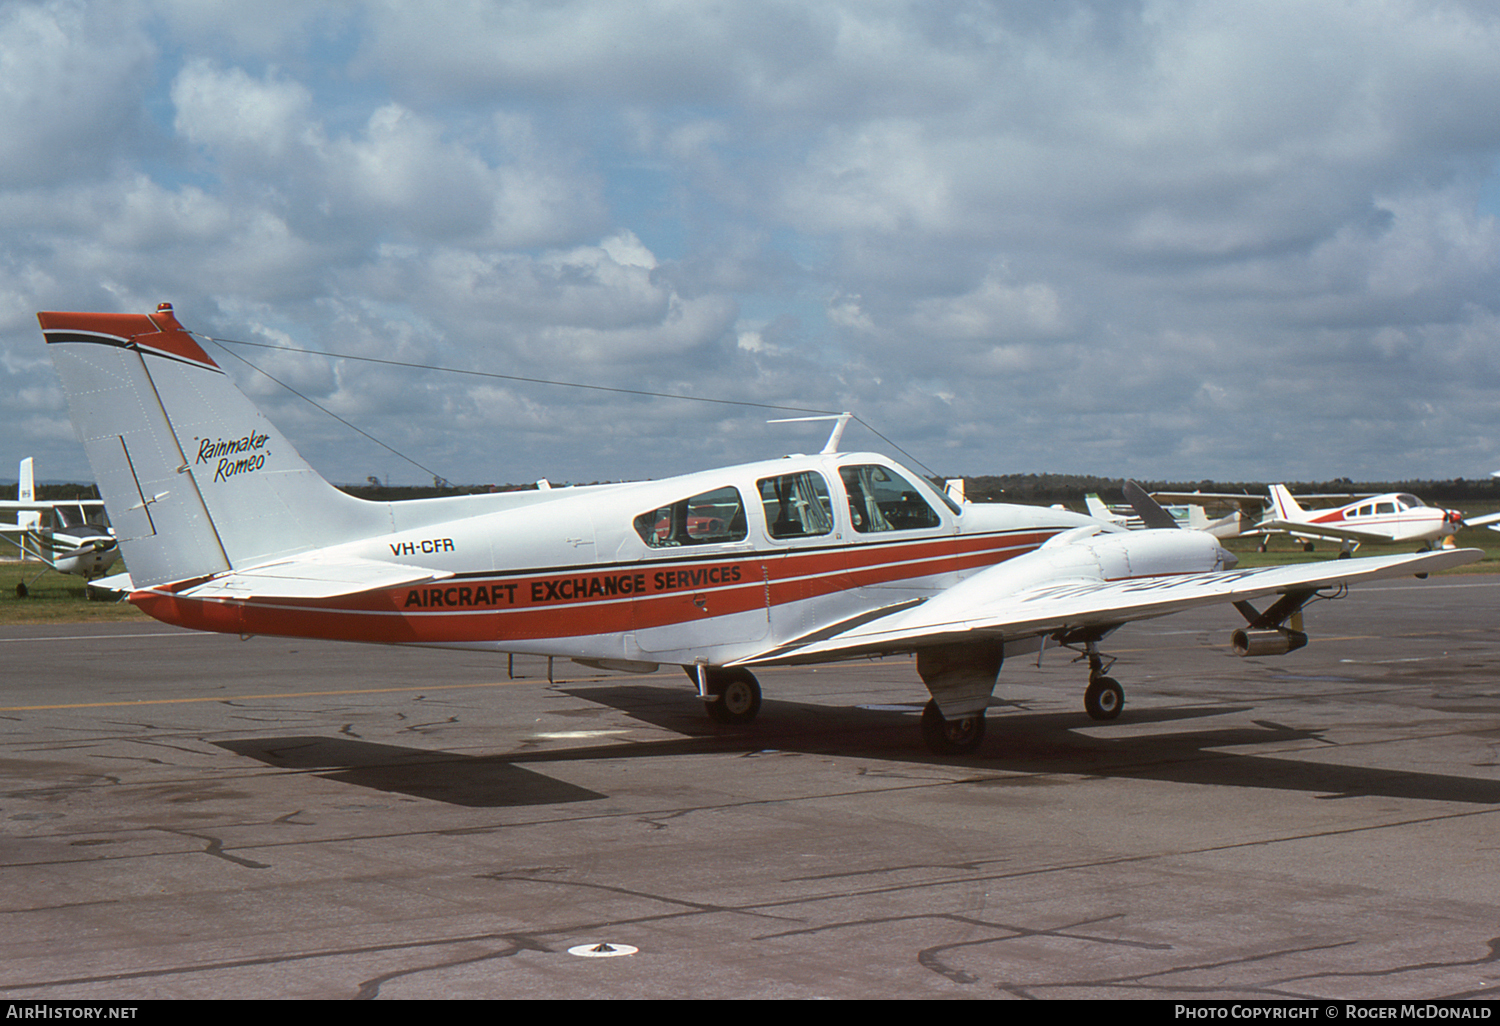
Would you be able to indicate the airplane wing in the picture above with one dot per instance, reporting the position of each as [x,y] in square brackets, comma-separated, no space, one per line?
[1490,520]
[971,609]
[1252,504]
[1327,532]
[299,578]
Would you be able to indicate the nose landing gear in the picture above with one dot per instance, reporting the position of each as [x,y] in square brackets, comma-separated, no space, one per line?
[1103,699]
[731,694]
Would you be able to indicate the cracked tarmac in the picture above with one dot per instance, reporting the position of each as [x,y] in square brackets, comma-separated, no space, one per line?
[196,816]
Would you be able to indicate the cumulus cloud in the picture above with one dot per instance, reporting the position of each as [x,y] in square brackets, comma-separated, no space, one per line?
[72,84]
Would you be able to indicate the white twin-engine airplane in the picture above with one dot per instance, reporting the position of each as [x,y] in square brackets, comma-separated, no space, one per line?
[804,559]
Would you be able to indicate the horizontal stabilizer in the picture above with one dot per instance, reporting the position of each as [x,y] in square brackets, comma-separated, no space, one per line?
[311,579]
[114,582]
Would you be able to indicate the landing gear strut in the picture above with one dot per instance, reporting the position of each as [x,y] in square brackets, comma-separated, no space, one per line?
[1104,698]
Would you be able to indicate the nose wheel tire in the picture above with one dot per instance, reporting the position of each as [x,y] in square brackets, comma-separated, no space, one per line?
[736,696]
[1104,699]
[951,737]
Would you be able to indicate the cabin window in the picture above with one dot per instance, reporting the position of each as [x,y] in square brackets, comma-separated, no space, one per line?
[882,500]
[796,505]
[1385,507]
[705,519]
[1364,511]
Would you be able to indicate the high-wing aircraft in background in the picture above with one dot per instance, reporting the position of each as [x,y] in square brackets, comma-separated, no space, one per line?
[1189,515]
[796,560]
[73,545]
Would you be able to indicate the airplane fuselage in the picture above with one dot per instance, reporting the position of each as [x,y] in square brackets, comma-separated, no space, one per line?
[85,551]
[1397,517]
[710,566]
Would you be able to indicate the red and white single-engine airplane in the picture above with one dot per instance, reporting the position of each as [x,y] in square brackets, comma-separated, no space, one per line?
[1392,517]
[803,559]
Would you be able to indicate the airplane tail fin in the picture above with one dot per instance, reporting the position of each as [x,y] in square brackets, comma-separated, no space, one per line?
[29,519]
[1286,507]
[196,480]
[1097,509]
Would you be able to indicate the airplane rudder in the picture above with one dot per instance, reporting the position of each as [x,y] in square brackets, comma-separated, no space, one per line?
[121,418]
[1287,507]
[166,427]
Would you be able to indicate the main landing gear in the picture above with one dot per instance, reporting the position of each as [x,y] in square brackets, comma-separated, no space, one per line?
[951,737]
[1104,698]
[730,694]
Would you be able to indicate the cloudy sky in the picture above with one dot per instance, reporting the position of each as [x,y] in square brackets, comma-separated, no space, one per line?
[1166,239]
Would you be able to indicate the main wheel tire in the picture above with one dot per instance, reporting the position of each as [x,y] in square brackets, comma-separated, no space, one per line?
[951,737]
[736,696]
[1104,699]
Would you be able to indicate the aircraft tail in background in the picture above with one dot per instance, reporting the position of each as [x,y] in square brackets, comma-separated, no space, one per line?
[1284,506]
[27,519]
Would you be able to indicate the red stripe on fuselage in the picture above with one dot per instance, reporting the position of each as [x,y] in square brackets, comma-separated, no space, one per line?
[591,600]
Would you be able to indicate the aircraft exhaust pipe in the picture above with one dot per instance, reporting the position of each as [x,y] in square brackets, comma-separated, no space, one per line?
[1264,643]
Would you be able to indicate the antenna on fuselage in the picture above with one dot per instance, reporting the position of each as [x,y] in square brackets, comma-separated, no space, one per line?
[841,421]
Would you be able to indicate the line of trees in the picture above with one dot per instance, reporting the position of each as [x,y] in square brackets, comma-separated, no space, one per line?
[1050,488]
[1027,488]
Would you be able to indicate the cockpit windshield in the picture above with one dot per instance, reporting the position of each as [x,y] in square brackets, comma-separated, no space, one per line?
[882,500]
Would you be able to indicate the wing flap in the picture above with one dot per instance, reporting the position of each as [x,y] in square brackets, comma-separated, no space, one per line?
[1085,602]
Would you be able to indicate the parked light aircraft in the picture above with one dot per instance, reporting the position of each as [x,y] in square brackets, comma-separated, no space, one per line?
[1392,517]
[76,546]
[1190,516]
[789,561]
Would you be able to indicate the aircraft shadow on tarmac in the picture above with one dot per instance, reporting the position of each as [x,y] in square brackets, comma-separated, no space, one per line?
[475,782]
[1017,741]
[1021,741]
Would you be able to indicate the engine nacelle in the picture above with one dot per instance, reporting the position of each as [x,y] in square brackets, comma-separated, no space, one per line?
[1263,643]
